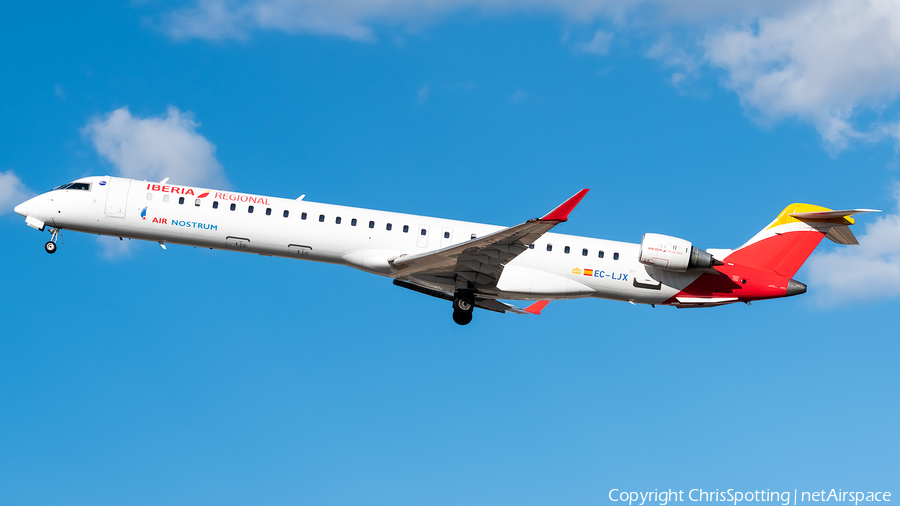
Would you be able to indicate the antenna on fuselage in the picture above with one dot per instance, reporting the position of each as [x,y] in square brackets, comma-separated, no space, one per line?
[164,181]
[301,197]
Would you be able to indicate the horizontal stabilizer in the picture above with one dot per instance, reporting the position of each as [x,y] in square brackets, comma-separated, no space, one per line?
[842,235]
[830,215]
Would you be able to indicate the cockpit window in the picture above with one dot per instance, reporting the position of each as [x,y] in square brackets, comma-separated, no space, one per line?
[74,186]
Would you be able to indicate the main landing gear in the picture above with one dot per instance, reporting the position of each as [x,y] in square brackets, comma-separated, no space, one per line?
[463,305]
[50,247]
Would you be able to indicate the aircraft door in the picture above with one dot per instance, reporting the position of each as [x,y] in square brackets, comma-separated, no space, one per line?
[423,236]
[117,197]
[446,237]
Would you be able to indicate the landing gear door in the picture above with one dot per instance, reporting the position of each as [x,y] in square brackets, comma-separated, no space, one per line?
[117,197]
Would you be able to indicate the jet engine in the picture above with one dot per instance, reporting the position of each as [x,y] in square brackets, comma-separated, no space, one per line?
[673,254]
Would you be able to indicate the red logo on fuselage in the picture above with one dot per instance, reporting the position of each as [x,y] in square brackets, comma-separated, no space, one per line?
[242,198]
[219,195]
[173,189]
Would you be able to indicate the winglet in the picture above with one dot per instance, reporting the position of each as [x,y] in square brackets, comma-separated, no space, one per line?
[536,307]
[561,213]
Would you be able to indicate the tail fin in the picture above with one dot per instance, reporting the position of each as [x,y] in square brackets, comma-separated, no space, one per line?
[787,242]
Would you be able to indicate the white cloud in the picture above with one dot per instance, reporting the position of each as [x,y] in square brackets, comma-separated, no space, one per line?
[824,62]
[356,19]
[422,95]
[225,19]
[599,44]
[820,63]
[157,147]
[674,54]
[517,96]
[12,192]
[114,248]
[868,271]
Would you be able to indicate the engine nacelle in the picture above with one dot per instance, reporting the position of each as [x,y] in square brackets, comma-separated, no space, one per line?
[673,254]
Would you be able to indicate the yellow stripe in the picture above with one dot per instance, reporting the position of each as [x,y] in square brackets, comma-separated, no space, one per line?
[785,217]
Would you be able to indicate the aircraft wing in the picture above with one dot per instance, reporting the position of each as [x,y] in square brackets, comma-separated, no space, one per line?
[481,260]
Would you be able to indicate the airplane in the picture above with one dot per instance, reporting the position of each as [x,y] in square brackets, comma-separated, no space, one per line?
[472,265]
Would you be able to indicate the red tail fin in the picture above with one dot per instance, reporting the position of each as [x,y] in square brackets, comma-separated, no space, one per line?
[782,253]
[787,242]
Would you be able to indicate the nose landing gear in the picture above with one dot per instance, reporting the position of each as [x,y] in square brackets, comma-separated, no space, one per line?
[463,305]
[50,247]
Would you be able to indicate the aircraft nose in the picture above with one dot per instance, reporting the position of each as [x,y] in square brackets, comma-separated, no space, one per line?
[22,209]
[794,288]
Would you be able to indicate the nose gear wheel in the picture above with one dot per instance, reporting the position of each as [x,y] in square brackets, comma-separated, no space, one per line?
[51,247]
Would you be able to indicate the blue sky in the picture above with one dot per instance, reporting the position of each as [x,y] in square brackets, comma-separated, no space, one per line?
[133,375]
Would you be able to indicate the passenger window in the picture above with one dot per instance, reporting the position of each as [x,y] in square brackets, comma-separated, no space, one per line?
[566,250]
[424,232]
[166,197]
[181,200]
[549,247]
[233,207]
[353,222]
[472,237]
[302,216]
[405,229]
[196,202]
[371,224]
[600,255]
[389,226]
[215,204]
[321,218]
[268,211]
[531,246]
[337,221]
[149,196]
[584,252]
[446,235]
[286,213]
[615,256]
[249,209]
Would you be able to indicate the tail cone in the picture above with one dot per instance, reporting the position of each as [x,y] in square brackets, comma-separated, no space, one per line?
[794,288]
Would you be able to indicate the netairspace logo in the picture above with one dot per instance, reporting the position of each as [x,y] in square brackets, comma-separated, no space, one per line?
[732,496]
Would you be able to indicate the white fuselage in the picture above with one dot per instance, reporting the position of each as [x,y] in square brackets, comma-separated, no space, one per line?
[557,266]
